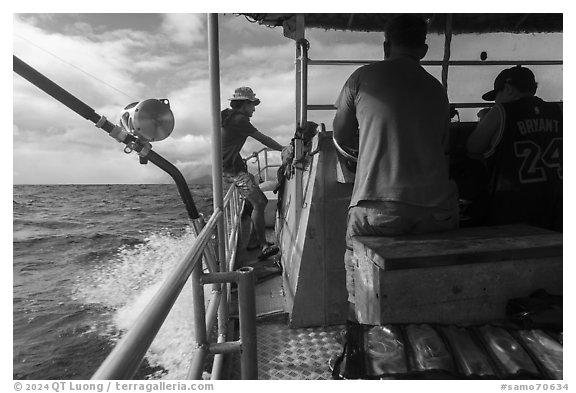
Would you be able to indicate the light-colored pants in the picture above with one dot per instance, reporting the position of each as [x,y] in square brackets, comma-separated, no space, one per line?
[245,182]
[386,218]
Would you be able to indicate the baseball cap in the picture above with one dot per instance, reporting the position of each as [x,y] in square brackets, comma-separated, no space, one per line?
[244,94]
[518,76]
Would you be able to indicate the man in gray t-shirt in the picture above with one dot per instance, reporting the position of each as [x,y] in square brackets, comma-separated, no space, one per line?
[401,114]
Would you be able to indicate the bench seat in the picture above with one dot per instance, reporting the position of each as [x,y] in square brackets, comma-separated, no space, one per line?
[464,276]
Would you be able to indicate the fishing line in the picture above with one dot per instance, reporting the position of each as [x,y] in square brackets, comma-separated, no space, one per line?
[76,67]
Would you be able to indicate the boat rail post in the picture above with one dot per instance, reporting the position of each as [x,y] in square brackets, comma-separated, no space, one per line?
[247,316]
[218,200]
[447,42]
[301,107]
[265,164]
[200,335]
[259,171]
[214,64]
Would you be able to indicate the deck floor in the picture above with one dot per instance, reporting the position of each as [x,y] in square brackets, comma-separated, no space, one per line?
[292,354]
[285,353]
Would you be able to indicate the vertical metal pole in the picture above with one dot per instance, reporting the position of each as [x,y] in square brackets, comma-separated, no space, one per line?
[266,165]
[226,225]
[209,253]
[197,365]
[214,65]
[259,169]
[302,43]
[247,314]
[199,322]
[301,104]
[447,44]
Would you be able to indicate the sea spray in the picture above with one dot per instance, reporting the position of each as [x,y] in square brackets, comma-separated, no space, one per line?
[128,282]
[81,255]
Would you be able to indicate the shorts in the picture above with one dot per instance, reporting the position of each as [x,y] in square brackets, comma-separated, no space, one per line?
[387,218]
[244,181]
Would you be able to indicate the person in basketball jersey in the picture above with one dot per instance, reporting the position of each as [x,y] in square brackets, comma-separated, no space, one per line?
[520,139]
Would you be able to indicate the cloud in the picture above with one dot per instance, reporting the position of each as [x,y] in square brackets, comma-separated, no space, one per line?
[94,71]
[110,60]
[191,107]
[184,29]
[106,70]
[186,148]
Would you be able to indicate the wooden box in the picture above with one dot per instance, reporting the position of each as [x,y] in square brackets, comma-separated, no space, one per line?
[460,277]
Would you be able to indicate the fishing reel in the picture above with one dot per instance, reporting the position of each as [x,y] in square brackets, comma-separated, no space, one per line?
[150,120]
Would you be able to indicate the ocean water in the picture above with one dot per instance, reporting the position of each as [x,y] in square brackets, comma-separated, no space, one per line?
[86,260]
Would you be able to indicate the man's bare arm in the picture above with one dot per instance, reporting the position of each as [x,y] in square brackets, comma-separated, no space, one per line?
[267,141]
[481,139]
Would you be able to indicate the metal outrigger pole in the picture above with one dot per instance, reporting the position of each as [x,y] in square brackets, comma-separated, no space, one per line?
[126,358]
[132,142]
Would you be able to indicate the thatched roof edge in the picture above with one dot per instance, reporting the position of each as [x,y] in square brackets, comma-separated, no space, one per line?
[461,22]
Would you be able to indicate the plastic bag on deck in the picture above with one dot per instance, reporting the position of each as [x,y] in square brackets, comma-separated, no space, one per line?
[430,352]
[473,361]
[351,362]
[385,351]
[512,357]
[546,350]
[540,310]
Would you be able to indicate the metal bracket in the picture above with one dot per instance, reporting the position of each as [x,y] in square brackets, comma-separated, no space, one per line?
[119,133]
[146,147]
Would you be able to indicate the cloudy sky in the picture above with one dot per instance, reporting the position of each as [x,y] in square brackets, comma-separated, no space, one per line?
[110,60]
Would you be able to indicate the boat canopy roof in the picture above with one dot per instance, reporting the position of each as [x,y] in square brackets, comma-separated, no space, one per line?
[461,23]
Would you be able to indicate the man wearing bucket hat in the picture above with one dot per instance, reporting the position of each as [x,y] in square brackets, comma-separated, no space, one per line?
[236,128]
[520,139]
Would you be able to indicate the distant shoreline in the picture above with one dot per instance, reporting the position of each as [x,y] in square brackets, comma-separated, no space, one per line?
[199,183]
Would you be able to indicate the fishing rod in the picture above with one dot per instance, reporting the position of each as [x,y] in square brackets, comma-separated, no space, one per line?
[141,123]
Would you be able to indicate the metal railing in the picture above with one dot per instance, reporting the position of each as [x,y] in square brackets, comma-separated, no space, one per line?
[440,62]
[450,63]
[127,356]
[262,171]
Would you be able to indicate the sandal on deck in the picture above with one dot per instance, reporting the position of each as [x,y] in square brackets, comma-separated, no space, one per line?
[268,251]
